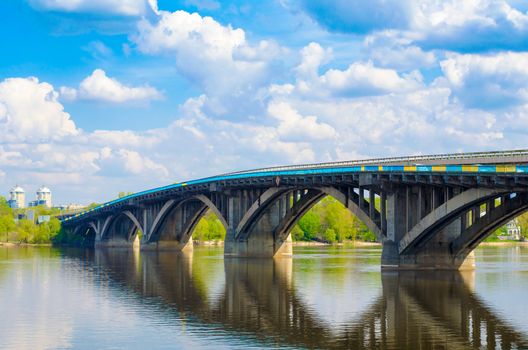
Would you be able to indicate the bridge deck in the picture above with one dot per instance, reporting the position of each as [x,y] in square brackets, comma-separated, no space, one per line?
[504,162]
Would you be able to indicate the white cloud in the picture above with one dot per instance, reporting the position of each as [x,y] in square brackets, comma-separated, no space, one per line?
[312,57]
[471,25]
[216,58]
[98,86]
[465,26]
[490,81]
[30,112]
[365,79]
[115,7]
[391,49]
[358,79]
[294,127]
[123,161]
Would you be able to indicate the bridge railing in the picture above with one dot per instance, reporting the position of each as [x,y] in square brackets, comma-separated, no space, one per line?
[462,158]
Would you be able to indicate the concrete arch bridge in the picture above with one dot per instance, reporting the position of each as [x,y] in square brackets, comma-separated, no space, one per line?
[427,211]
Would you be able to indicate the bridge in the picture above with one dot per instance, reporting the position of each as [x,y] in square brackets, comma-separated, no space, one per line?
[429,212]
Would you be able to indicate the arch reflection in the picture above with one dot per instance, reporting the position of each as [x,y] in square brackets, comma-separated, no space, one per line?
[257,298]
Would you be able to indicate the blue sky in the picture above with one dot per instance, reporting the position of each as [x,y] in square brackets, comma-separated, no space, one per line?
[101,96]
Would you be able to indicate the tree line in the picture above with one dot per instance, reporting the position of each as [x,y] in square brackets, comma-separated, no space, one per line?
[24,230]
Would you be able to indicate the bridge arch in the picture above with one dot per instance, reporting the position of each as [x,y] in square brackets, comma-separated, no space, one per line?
[118,230]
[174,223]
[453,230]
[86,233]
[265,227]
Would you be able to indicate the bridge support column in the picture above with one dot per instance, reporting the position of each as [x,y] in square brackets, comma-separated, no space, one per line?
[261,246]
[407,219]
[262,230]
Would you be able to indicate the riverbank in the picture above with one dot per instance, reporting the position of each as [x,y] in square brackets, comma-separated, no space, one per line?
[18,244]
[301,243]
[296,244]
[504,244]
[348,243]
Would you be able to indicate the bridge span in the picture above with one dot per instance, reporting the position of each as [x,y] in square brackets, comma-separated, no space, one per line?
[427,211]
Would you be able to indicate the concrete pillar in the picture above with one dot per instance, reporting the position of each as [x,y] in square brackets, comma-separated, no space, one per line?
[383,208]
[402,214]
[396,212]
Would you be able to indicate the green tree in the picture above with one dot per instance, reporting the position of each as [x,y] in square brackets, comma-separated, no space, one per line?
[310,224]
[209,228]
[297,234]
[330,235]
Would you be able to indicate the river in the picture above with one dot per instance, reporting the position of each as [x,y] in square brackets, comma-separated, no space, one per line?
[324,297]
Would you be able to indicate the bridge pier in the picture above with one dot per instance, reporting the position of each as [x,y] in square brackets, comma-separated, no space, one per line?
[168,246]
[440,259]
[260,246]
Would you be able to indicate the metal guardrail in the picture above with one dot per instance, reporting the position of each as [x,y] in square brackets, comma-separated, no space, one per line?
[395,160]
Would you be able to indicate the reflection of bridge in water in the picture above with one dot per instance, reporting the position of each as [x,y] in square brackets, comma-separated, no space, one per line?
[258,299]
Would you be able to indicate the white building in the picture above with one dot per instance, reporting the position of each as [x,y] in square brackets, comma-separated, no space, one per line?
[514,229]
[17,197]
[44,196]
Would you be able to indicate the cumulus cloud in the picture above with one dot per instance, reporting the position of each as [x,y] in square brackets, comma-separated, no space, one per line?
[313,56]
[293,126]
[361,79]
[123,161]
[470,26]
[30,112]
[490,81]
[98,86]
[464,26]
[216,58]
[358,79]
[392,49]
[113,7]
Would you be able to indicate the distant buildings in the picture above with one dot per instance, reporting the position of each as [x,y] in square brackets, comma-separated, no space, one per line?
[71,206]
[43,198]
[17,197]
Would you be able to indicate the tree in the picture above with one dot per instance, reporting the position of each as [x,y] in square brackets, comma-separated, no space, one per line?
[297,234]
[209,228]
[7,225]
[122,194]
[330,235]
[310,224]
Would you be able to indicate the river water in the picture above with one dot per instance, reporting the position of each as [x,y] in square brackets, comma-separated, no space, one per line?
[324,297]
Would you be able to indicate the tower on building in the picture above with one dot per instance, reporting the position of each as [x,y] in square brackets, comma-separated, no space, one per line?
[17,197]
[43,197]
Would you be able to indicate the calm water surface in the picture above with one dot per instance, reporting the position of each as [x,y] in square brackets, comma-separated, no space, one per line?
[325,297]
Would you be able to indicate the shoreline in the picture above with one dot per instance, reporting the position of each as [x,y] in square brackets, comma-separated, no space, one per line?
[499,244]
[351,243]
[18,244]
[295,244]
